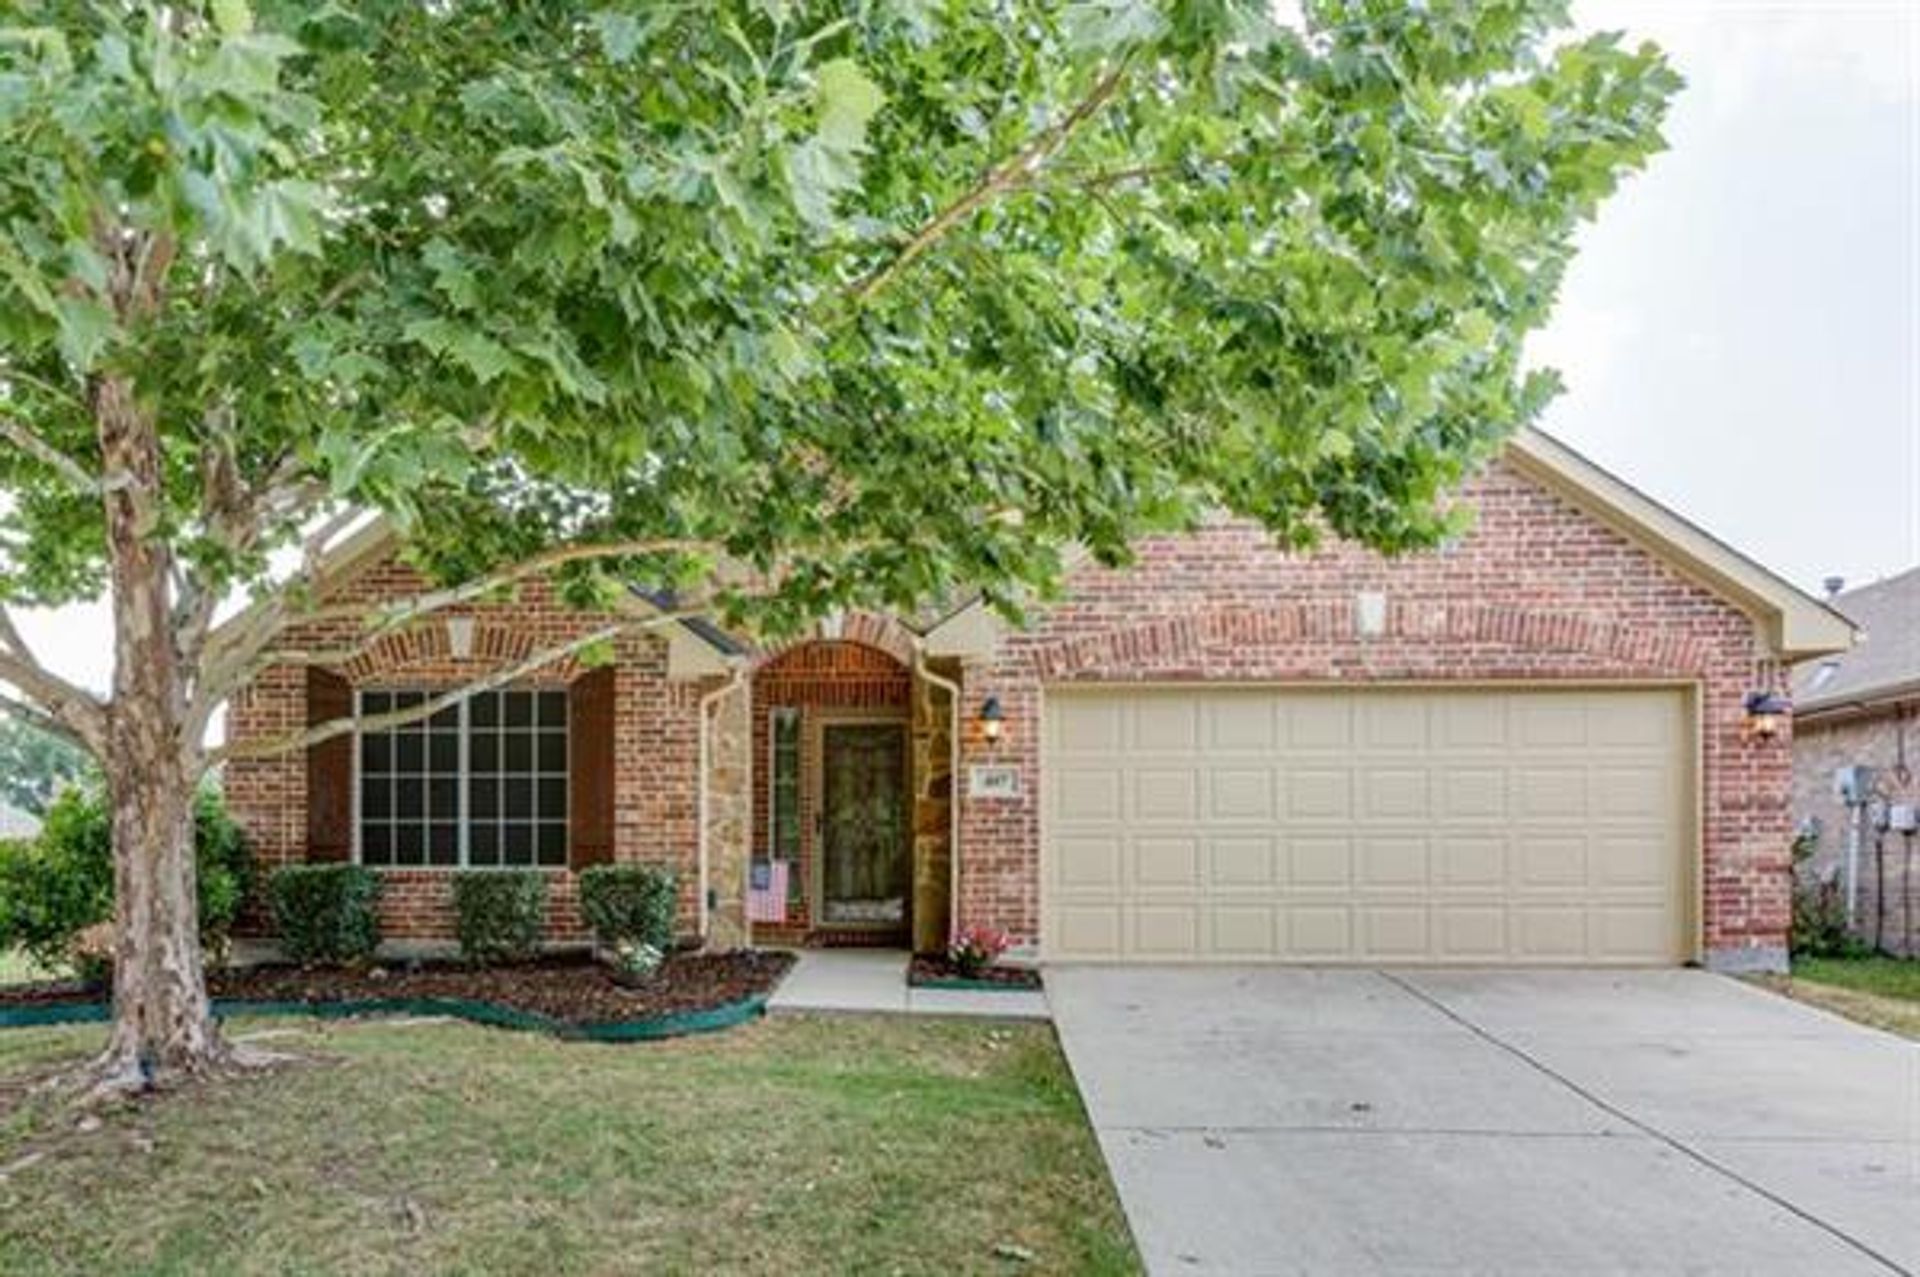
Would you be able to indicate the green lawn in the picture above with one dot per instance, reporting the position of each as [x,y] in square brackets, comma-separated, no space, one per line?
[1884,992]
[797,1144]
[16,966]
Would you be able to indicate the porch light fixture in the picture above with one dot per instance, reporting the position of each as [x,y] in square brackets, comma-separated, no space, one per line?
[992,719]
[1766,715]
[460,637]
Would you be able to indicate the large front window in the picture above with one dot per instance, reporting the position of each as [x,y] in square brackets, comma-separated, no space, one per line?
[481,784]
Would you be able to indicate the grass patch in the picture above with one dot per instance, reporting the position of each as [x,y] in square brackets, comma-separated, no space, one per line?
[17,968]
[796,1144]
[1881,991]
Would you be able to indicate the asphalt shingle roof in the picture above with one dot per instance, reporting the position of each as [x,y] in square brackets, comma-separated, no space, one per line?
[1885,660]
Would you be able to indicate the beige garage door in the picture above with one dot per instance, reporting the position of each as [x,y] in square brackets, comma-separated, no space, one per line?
[1419,825]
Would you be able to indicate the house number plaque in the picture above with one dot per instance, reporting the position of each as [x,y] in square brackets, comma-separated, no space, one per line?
[984,781]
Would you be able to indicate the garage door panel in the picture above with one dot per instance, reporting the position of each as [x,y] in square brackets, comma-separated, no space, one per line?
[1467,793]
[1164,724]
[1240,793]
[1324,861]
[1551,793]
[1470,861]
[1248,931]
[1162,793]
[1407,825]
[1471,932]
[1243,724]
[1394,722]
[1087,794]
[1166,931]
[1393,861]
[1166,863]
[1084,725]
[1319,723]
[1395,933]
[1320,932]
[1089,861]
[1551,862]
[1319,792]
[1394,793]
[1239,863]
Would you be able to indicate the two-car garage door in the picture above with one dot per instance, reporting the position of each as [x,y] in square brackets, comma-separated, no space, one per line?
[1469,825]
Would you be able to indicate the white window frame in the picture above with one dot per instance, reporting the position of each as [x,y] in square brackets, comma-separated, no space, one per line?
[464,778]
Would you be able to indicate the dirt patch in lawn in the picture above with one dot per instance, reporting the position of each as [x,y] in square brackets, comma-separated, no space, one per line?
[571,990]
[932,971]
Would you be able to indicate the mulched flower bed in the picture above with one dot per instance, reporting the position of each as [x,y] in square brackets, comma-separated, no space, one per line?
[929,971]
[570,990]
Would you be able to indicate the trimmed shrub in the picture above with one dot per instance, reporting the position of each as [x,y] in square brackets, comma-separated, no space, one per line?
[629,904]
[56,886]
[499,914]
[1819,908]
[326,914]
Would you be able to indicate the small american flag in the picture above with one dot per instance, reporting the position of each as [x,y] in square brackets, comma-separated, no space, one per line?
[767,891]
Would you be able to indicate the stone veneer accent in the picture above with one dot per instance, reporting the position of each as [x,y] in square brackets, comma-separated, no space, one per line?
[1537,591]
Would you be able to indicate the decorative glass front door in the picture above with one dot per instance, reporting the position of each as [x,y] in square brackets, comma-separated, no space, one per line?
[865,861]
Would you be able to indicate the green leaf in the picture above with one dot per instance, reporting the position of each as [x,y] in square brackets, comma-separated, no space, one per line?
[1104,25]
[816,175]
[86,327]
[232,17]
[848,100]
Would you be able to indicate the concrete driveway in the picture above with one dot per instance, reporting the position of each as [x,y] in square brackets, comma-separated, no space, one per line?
[1286,1120]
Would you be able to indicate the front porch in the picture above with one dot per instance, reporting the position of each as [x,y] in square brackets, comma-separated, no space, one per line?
[848,775]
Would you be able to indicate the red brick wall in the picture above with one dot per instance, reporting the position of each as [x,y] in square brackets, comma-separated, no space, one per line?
[1537,591]
[655,729]
[812,677]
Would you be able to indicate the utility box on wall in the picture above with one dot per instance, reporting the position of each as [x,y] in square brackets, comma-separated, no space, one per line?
[1853,785]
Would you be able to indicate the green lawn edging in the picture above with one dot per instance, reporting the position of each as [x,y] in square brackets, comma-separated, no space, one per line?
[672,1025]
[959,984]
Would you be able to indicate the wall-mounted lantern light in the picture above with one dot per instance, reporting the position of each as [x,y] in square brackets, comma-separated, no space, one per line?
[992,719]
[1766,715]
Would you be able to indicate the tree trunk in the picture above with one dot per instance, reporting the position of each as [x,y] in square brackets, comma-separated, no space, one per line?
[162,1024]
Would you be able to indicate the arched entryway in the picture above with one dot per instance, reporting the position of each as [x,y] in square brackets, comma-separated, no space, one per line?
[834,795]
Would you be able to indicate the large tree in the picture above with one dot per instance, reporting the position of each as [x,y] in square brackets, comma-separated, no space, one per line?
[785,305]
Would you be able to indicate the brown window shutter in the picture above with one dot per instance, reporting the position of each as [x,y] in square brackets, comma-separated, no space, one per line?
[590,754]
[329,770]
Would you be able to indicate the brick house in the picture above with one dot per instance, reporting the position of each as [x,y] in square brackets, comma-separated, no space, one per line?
[1861,708]
[1526,746]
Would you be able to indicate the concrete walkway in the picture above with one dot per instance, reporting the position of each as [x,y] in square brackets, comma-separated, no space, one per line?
[1364,1122]
[876,980]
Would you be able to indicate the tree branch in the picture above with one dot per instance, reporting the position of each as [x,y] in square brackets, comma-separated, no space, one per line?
[1006,176]
[392,615]
[66,467]
[74,708]
[37,717]
[320,733]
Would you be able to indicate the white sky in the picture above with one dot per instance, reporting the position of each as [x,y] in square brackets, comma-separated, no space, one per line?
[1741,334]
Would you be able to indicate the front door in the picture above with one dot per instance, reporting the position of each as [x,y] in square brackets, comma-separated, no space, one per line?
[865,860]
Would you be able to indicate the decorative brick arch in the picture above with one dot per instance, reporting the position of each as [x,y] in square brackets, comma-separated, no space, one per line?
[867,629]
[426,649]
[1181,640]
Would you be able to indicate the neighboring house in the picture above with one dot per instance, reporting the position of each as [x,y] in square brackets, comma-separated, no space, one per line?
[1528,746]
[1862,708]
[15,823]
